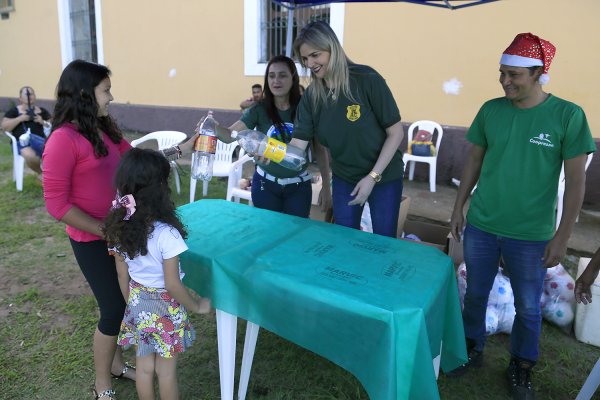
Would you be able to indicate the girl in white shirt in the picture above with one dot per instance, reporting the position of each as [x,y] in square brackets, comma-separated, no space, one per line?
[147,237]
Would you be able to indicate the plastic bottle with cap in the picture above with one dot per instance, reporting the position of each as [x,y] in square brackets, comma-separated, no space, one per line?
[204,149]
[256,142]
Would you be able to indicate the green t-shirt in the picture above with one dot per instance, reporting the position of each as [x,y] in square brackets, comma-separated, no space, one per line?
[354,132]
[524,152]
[257,117]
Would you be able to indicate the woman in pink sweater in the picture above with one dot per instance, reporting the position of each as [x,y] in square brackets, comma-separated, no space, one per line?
[79,162]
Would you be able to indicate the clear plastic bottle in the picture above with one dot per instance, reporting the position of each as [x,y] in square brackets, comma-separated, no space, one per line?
[256,142]
[204,149]
[24,138]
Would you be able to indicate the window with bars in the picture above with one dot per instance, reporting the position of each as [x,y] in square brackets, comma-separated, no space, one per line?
[6,6]
[266,30]
[83,30]
[274,26]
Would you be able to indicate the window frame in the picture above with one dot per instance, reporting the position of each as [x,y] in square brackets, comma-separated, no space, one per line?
[252,35]
[64,26]
[7,6]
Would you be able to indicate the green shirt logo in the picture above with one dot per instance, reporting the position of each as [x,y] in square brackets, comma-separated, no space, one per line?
[353,112]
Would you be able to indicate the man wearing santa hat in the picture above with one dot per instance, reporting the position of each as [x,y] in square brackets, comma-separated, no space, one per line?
[519,143]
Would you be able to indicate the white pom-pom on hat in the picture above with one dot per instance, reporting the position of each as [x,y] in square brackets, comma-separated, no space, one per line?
[543,79]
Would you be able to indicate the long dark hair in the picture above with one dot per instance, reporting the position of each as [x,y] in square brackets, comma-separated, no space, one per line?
[294,95]
[143,173]
[76,101]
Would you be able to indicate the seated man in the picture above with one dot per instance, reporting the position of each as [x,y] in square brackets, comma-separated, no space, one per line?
[27,116]
[257,94]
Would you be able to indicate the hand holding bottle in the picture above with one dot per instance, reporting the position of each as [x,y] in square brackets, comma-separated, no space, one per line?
[257,143]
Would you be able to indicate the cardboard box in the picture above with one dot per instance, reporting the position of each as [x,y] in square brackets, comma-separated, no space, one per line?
[430,234]
[404,206]
[455,250]
[316,213]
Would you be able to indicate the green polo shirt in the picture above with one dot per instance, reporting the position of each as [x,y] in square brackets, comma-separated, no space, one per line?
[354,131]
[524,152]
[257,117]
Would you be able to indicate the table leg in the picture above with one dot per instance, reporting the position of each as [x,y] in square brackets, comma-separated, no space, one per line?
[226,335]
[591,383]
[249,347]
[436,362]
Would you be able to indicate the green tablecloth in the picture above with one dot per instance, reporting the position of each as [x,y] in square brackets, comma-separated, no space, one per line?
[378,307]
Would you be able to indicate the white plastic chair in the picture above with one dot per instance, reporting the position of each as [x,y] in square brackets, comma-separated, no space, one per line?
[429,126]
[221,166]
[18,163]
[561,189]
[165,140]
[234,192]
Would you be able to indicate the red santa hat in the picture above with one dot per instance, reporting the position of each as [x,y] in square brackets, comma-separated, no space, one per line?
[528,50]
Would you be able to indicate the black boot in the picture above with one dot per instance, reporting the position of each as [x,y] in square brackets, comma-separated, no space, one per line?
[519,379]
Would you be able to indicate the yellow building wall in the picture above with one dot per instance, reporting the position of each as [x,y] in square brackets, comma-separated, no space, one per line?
[30,49]
[416,48]
[201,41]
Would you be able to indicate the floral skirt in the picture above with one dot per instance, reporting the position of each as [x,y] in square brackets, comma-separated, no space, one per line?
[155,322]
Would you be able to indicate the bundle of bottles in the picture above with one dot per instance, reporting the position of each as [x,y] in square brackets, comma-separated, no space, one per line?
[253,142]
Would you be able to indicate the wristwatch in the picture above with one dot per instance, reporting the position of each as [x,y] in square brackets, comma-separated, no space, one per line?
[376,177]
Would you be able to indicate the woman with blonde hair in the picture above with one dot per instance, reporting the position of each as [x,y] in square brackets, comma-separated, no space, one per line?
[350,109]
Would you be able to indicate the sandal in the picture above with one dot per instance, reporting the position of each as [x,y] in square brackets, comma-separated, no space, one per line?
[126,368]
[108,393]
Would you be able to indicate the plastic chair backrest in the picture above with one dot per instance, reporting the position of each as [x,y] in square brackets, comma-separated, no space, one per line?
[561,178]
[428,126]
[224,152]
[235,174]
[165,139]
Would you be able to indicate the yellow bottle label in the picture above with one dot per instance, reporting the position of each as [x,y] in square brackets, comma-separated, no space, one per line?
[206,144]
[275,150]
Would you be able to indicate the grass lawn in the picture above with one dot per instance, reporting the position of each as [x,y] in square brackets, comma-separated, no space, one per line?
[48,316]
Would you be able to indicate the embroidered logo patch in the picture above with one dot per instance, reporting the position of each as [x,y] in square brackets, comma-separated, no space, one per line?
[543,139]
[353,113]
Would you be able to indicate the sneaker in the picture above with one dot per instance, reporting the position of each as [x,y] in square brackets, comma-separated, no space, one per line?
[474,360]
[519,379]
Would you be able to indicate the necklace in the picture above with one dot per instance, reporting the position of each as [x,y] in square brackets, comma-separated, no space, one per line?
[332,94]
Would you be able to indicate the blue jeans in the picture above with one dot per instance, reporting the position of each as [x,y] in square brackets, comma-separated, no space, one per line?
[293,199]
[36,143]
[384,203]
[524,266]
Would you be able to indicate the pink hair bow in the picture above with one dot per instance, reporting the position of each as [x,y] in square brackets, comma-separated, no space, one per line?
[126,202]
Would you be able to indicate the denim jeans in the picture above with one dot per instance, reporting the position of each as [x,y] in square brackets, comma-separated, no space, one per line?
[524,266]
[293,199]
[384,203]
[36,143]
